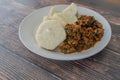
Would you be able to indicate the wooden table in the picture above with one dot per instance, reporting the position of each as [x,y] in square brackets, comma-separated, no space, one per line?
[18,63]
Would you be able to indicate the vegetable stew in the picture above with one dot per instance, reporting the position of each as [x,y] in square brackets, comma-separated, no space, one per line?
[82,35]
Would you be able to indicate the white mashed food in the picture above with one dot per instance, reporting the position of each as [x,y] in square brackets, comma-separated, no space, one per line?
[45,18]
[51,31]
[67,16]
[58,17]
[71,9]
[50,34]
[53,10]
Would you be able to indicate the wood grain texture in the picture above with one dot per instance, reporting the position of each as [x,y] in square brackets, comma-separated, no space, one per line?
[13,67]
[103,66]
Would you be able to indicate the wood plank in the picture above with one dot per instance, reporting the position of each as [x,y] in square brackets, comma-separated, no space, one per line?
[100,66]
[114,43]
[104,66]
[16,15]
[13,67]
[25,7]
[101,4]
[60,67]
[97,65]
[12,43]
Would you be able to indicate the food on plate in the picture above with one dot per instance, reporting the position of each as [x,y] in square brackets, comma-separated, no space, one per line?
[72,9]
[67,16]
[68,31]
[82,35]
[58,17]
[45,18]
[50,34]
[52,11]
[56,20]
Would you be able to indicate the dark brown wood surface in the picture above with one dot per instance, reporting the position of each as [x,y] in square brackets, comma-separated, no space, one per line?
[18,63]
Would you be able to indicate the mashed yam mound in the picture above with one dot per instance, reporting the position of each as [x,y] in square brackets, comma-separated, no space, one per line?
[51,31]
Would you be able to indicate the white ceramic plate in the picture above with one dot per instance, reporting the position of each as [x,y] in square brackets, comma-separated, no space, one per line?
[31,22]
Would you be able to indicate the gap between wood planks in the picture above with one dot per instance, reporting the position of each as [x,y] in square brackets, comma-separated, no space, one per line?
[25,60]
[106,14]
[55,62]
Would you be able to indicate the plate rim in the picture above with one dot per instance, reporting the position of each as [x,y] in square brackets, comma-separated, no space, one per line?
[19,32]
